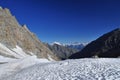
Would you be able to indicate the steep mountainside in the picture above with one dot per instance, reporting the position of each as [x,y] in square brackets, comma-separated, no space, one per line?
[107,45]
[63,52]
[13,35]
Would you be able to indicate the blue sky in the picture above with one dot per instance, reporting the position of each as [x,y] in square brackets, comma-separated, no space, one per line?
[66,20]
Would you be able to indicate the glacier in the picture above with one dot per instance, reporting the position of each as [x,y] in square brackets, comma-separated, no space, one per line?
[78,69]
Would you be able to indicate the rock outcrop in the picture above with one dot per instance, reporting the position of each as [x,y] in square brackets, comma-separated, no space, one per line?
[12,34]
[63,52]
[107,45]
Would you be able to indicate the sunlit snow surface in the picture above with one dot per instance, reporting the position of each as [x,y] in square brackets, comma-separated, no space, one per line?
[80,69]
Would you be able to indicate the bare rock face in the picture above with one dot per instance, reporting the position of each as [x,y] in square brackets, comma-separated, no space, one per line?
[12,34]
[107,46]
[63,52]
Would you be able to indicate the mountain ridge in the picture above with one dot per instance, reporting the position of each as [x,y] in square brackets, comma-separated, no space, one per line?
[61,51]
[12,34]
[105,46]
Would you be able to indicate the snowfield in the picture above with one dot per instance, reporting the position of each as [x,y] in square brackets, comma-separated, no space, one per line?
[13,66]
[79,69]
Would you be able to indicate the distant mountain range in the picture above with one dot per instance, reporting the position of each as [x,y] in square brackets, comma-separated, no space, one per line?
[76,45]
[63,51]
[107,45]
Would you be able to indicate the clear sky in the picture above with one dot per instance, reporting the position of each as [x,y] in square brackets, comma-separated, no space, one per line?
[66,20]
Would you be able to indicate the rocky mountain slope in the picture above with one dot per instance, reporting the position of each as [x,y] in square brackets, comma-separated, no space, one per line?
[107,45]
[15,38]
[63,52]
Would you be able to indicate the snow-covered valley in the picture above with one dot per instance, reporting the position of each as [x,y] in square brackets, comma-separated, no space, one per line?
[15,64]
[32,68]
[28,67]
[23,56]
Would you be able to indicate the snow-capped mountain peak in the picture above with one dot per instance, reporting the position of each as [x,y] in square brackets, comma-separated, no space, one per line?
[68,44]
[58,43]
[78,43]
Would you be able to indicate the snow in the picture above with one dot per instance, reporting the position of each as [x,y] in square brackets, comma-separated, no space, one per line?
[19,51]
[49,57]
[19,64]
[5,59]
[29,67]
[15,52]
[58,43]
[32,54]
[79,69]
[21,60]
[68,44]
[6,51]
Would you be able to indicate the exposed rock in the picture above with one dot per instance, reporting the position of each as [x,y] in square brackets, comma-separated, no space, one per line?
[12,34]
[63,52]
[107,45]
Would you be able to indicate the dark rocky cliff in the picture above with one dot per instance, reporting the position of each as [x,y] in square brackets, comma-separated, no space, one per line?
[107,45]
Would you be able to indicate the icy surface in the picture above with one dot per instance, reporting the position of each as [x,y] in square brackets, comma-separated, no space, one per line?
[80,69]
[15,65]
[5,59]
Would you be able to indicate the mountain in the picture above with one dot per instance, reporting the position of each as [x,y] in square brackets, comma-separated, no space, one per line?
[76,45]
[63,52]
[58,43]
[17,41]
[107,45]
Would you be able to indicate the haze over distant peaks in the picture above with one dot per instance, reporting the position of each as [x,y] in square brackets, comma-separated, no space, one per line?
[63,51]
